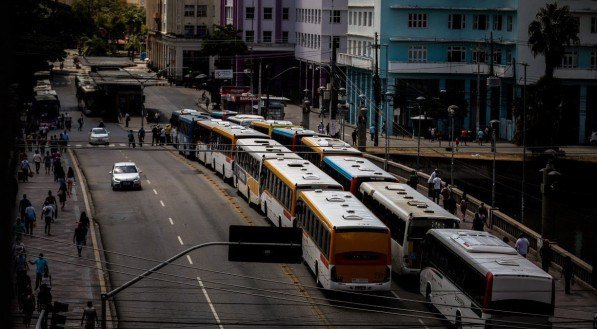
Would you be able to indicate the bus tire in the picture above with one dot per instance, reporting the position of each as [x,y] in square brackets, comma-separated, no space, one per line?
[428,297]
[458,321]
[265,210]
[279,221]
[317,282]
[248,196]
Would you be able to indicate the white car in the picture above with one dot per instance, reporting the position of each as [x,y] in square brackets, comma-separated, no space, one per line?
[125,175]
[99,136]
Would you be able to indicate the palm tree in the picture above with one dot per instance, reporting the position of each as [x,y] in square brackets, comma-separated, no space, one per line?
[553,29]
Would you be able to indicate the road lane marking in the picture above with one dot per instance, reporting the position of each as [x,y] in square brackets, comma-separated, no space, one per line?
[78,145]
[179,239]
[395,294]
[162,203]
[121,144]
[112,145]
[423,323]
[211,306]
[155,192]
[148,182]
[189,259]
[171,221]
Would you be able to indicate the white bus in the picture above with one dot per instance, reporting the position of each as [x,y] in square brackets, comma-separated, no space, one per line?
[248,164]
[280,182]
[244,119]
[344,244]
[393,203]
[204,137]
[222,145]
[316,148]
[478,281]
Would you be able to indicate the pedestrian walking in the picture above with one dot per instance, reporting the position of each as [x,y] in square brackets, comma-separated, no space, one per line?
[168,129]
[131,138]
[141,136]
[445,192]
[156,115]
[47,214]
[37,161]
[354,135]
[18,229]
[27,307]
[89,317]
[162,136]
[26,170]
[463,206]
[320,128]
[568,273]
[70,181]
[50,199]
[450,204]
[478,222]
[383,129]
[80,237]
[154,135]
[30,218]
[413,180]
[480,137]
[44,300]
[437,186]
[127,119]
[483,210]
[47,162]
[23,204]
[41,266]
[522,245]
[84,219]
[62,195]
[46,280]
[457,143]
[372,132]
[59,175]
[546,254]
[430,183]
[80,121]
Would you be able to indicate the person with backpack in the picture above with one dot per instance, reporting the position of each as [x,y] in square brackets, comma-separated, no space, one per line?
[131,138]
[47,213]
[141,135]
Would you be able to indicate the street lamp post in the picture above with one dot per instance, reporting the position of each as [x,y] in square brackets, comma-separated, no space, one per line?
[362,124]
[342,107]
[306,109]
[494,125]
[420,100]
[451,110]
[388,96]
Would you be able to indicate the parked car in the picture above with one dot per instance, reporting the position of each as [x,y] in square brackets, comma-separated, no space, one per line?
[125,175]
[99,136]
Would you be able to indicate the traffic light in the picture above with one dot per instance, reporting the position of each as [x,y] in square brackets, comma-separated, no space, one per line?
[58,320]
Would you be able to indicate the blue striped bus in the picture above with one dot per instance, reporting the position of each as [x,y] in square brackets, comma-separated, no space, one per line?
[351,171]
[291,136]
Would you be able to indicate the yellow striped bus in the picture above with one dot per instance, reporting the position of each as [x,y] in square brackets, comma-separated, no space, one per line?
[203,131]
[222,145]
[267,126]
[316,148]
[248,164]
[280,182]
[344,244]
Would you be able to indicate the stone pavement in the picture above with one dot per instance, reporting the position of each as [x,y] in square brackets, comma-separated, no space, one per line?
[74,279]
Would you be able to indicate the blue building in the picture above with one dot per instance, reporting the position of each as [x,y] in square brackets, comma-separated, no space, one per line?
[446,50]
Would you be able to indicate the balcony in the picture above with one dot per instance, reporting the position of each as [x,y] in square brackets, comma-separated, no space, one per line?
[575,73]
[270,46]
[355,61]
[503,71]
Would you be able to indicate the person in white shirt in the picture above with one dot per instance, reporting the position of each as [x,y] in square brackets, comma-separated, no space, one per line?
[37,161]
[522,245]
[437,187]
[430,183]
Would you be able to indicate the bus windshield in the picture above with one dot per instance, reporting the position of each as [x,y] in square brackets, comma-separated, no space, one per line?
[418,227]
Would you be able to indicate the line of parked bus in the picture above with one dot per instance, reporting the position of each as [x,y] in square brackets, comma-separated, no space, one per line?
[360,224]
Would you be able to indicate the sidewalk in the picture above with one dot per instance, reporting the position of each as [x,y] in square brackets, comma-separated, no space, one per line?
[74,279]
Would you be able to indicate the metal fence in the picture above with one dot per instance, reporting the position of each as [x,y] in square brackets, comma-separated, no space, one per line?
[500,223]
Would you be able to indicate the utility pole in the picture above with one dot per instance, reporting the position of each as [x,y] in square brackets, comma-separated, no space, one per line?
[377,94]
[549,187]
[524,145]
[259,89]
[362,124]
[333,90]
[478,105]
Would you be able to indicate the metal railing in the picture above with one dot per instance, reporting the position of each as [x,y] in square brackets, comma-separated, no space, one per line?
[500,223]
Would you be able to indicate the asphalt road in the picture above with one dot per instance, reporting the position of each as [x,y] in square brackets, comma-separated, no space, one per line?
[183,204]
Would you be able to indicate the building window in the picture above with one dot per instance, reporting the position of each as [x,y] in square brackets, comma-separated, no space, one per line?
[189,11]
[594,60]
[335,17]
[267,36]
[417,20]
[456,54]
[479,56]
[359,22]
[593,24]
[201,10]
[250,13]
[249,36]
[480,22]
[456,21]
[201,31]
[189,30]
[285,13]
[336,41]
[570,60]
[497,22]
[267,12]
[370,14]
[350,18]
[509,23]
[284,36]
[417,54]
[497,57]
[508,56]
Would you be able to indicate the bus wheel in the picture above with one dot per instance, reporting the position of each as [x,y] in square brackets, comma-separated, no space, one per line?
[279,221]
[265,211]
[248,196]
[428,297]
[458,322]
[317,282]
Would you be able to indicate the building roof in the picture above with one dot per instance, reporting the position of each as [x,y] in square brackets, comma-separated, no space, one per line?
[302,173]
[264,148]
[328,145]
[351,167]
[292,131]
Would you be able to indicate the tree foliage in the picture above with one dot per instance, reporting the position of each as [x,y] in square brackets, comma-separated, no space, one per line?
[553,29]
[225,42]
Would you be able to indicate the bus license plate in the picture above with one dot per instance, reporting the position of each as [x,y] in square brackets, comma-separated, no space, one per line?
[358,280]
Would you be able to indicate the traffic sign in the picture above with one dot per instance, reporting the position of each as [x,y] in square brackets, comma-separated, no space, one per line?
[223,74]
[265,244]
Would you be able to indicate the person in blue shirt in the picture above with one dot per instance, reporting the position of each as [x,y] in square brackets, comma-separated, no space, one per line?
[372,132]
[30,217]
[41,266]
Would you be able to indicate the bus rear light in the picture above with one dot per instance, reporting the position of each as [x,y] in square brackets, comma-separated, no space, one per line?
[488,292]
